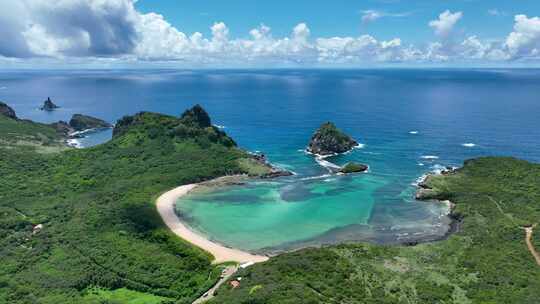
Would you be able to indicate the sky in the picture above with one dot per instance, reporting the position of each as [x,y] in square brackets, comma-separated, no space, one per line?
[241,33]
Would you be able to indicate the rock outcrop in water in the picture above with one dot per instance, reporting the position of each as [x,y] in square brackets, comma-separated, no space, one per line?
[81,122]
[7,111]
[328,140]
[48,105]
[353,168]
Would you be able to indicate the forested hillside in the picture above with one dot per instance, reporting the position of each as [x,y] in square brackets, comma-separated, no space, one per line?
[77,224]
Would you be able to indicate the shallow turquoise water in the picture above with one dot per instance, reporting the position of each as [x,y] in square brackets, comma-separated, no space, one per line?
[268,214]
[307,210]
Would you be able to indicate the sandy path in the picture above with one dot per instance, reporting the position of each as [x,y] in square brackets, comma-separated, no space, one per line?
[227,273]
[528,240]
[165,205]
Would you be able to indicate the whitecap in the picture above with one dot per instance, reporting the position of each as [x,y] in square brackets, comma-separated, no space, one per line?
[371,153]
[316,177]
[220,126]
[421,164]
[328,165]
[359,146]
[469,145]
[429,157]
[420,180]
[413,132]
[438,168]
[75,143]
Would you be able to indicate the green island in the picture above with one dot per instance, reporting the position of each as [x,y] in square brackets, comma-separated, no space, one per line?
[81,226]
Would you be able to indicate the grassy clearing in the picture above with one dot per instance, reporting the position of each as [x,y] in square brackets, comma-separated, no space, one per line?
[122,296]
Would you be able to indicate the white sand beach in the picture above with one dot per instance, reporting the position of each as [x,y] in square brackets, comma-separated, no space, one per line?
[165,205]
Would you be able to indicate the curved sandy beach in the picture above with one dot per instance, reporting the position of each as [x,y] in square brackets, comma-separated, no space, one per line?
[165,205]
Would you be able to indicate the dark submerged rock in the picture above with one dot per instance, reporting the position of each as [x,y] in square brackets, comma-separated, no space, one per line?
[48,105]
[7,111]
[328,140]
[276,173]
[81,122]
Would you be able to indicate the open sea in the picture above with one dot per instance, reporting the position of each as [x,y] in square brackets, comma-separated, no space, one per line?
[409,122]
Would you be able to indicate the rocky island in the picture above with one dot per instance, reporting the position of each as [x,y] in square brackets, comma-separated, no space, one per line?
[80,122]
[353,167]
[7,111]
[329,140]
[48,105]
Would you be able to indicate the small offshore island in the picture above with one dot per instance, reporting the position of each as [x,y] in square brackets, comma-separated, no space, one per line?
[328,141]
[82,226]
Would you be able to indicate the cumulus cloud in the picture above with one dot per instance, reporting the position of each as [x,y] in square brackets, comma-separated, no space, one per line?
[109,31]
[67,27]
[446,22]
[524,41]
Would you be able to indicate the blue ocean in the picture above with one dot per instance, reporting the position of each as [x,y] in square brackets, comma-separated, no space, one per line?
[409,122]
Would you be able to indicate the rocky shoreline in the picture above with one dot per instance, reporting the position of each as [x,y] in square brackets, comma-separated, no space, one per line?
[274,171]
[78,126]
[426,192]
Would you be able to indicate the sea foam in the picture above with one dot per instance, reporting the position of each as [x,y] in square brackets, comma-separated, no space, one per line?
[75,143]
[328,165]
[469,145]
[429,157]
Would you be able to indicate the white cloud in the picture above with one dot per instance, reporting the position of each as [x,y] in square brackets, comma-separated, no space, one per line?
[496,12]
[68,27]
[473,48]
[109,31]
[158,39]
[372,15]
[446,22]
[524,41]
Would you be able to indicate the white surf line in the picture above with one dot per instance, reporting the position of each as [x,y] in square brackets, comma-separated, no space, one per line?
[165,206]
[326,164]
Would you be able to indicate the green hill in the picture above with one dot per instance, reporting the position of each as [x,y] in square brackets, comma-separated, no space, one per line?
[487,261]
[100,230]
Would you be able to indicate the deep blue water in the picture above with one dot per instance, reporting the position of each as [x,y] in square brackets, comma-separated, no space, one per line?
[276,111]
